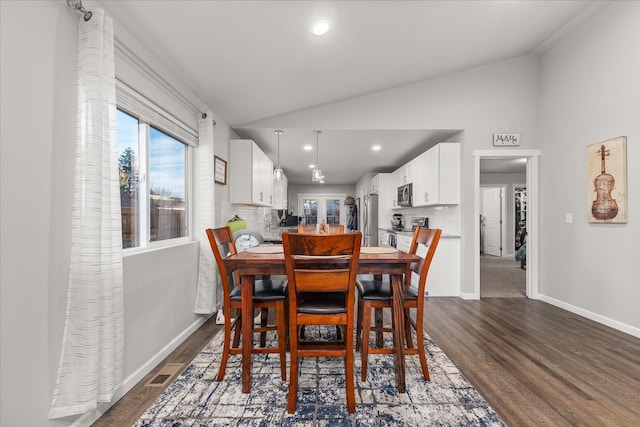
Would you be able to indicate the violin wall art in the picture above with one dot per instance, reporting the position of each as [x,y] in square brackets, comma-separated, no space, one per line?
[607,180]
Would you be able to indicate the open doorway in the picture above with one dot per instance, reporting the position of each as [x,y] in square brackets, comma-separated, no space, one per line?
[497,178]
[501,276]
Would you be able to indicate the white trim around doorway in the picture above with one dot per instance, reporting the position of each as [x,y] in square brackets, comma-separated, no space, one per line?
[532,157]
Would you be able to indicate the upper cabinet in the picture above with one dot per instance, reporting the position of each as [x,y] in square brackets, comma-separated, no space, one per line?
[250,174]
[405,174]
[437,176]
[280,193]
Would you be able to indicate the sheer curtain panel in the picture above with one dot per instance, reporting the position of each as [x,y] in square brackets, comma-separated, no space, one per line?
[205,297]
[91,359]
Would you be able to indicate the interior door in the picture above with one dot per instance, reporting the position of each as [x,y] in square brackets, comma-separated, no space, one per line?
[319,208]
[492,220]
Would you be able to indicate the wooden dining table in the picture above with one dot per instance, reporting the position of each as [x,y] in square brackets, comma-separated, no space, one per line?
[252,263]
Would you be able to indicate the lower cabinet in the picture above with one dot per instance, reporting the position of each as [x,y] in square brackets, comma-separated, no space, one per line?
[443,279]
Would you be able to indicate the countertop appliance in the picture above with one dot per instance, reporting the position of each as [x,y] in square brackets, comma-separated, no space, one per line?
[405,195]
[419,221]
[397,222]
[370,220]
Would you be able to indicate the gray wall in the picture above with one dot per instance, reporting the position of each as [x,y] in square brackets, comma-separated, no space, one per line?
[39,56]
[584,89]
[590,92]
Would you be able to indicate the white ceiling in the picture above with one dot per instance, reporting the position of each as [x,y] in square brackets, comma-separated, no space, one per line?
[251,60]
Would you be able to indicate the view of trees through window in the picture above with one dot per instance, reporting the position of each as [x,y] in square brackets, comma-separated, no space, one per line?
[153,183]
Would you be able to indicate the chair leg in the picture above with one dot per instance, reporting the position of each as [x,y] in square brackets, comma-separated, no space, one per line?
[349,375]
[282,338]
[225,345]
[359,325]
[379,336]
[293,369]
[422,349]
[407,327]
[264,315]
[366,330]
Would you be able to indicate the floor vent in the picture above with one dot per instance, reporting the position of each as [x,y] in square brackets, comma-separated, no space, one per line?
[165,375]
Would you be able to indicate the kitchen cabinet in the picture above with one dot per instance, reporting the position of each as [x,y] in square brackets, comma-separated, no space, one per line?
[437,173]
[250,174]
[444,273]
[403,242]
[280,193]
[385,191]
[375,184]
[404,174]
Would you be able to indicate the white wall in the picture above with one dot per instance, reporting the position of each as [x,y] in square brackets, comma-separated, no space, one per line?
[590,85]
[498,97]
[39,56]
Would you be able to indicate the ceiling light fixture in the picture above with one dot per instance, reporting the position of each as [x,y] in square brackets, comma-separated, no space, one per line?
[316,174]
[376,148]
[278,173]
[320,28]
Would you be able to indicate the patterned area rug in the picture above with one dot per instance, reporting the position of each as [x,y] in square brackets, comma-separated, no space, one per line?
[195,398]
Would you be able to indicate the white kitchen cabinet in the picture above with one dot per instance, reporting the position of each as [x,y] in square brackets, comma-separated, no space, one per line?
[280,193]
[405,174]
[437,173]
[395,182]
[250,174]
[385,193]
[375,184]
[403,242]
[443,278]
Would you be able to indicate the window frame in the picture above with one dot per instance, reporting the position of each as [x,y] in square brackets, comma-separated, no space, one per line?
[151,115]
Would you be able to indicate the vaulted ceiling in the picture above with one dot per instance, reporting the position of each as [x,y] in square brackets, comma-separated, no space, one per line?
[251,60]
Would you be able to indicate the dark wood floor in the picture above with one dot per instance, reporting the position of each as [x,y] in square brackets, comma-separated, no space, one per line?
[535,364]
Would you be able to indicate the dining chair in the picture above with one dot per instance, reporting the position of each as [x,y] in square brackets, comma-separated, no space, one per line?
[267,294]
[376,294]
[312,229]
[321,271]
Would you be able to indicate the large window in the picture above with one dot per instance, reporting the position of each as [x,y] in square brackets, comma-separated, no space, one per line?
[153,183]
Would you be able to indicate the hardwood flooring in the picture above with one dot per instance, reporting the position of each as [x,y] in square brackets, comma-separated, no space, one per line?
[535,364]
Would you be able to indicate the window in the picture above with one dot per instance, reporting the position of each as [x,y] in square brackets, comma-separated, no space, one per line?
[317,208]
[153,168]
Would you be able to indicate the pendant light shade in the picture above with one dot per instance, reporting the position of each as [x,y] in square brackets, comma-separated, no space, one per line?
[278,173]
[316,174]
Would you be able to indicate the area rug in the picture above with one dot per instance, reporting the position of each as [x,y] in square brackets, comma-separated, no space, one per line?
[195,398]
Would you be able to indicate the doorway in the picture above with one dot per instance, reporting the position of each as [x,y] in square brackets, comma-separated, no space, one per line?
[530,273]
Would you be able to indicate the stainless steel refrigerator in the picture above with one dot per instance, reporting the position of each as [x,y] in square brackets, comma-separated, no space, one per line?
[370,220]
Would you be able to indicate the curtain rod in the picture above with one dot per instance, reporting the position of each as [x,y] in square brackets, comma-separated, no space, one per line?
[77,5]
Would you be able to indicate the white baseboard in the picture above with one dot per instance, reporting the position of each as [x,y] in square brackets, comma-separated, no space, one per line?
[622,327]
[469,295]
[85,420]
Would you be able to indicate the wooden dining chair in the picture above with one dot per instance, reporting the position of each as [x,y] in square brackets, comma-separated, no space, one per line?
[376,294]
[267,294]
[312,229]
[322,270]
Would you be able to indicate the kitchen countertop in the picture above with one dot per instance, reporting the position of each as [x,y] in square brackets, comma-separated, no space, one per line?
[409,232]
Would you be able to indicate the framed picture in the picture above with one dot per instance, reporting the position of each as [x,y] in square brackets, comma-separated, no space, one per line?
[219,170]
[607,180]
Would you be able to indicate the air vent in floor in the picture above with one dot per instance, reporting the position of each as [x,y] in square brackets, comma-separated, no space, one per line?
[165,375]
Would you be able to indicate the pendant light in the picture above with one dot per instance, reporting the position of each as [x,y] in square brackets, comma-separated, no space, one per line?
[316,174]
[278,173]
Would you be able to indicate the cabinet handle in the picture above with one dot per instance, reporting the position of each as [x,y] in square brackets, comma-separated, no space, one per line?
[261,196]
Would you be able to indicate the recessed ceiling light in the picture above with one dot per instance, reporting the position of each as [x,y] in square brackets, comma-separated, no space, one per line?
[376,148]
[311,166]
[308,148]
[320,28]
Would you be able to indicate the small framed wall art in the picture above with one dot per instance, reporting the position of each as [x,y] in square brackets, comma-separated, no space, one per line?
[607,180]
[219,170]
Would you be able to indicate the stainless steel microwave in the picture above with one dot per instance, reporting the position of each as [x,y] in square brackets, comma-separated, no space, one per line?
[405,195]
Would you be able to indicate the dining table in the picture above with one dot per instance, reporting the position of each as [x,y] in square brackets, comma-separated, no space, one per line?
[269,260]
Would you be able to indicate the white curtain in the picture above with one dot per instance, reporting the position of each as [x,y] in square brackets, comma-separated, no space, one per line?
[205,297]
[91,360]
